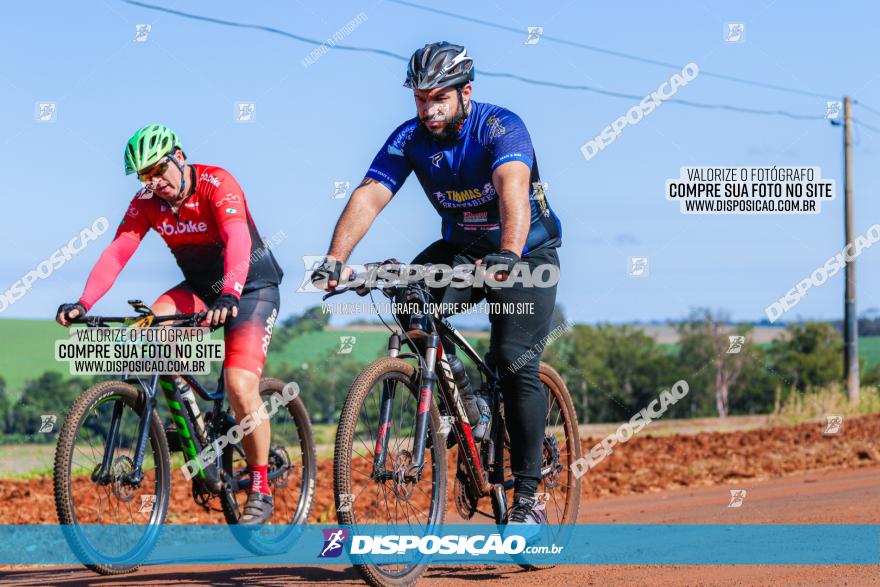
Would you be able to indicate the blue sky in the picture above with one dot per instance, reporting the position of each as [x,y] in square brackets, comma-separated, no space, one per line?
[323,123]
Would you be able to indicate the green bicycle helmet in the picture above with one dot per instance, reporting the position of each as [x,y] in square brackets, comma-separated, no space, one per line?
[147,147]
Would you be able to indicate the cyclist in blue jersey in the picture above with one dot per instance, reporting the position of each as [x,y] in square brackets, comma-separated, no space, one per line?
[477,166]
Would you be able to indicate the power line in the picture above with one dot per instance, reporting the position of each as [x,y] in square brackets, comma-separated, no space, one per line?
[867,126]
[613,53]
[637,97]
[267,29]
[532,81]
[866,107]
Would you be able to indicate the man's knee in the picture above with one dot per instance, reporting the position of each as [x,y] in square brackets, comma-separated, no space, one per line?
[516,359]
[242,384]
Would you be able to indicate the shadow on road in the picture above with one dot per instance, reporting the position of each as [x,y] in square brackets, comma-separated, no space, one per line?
[221,577]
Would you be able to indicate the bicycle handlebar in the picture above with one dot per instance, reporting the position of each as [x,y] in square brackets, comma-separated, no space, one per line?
[372,283]
[194,318]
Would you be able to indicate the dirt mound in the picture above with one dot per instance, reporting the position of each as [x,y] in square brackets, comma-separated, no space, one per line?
[644,464]
[652,463]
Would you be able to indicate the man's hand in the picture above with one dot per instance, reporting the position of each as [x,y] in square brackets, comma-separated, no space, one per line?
[224,306]
[329,273]
[67,312]
[499,265]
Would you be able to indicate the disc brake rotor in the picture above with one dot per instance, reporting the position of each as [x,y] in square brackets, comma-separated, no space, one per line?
[121,467]
[279,460]
[551,465]
[403,485]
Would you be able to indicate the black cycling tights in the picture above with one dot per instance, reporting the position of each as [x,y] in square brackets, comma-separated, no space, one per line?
[520,318]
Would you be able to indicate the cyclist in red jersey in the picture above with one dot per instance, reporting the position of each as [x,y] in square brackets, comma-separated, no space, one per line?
[202,215]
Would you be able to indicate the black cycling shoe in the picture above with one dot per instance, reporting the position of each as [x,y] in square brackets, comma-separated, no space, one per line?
[257,510]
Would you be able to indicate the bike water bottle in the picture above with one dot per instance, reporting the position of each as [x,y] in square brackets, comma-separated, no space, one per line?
[187,395]
[479,431]
[463,382]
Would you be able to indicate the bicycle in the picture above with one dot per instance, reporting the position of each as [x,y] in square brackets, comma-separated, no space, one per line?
[114,448]
[371,466]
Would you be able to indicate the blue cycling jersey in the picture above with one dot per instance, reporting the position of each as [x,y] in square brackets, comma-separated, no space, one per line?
[457,177]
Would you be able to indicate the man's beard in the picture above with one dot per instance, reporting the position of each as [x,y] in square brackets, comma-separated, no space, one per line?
[449,132]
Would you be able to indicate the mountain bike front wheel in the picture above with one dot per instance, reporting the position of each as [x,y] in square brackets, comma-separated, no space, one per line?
[385,490]
[110,523]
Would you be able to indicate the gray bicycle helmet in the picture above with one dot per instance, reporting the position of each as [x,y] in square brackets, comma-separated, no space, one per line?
[439,65]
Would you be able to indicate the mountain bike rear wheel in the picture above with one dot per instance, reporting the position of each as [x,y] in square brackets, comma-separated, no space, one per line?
[292,475]
[560,488]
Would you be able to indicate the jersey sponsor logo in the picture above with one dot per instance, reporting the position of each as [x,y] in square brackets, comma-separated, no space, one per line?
[480,227]
[191,205]
[436,157]
[270,324]
[399,143]
[469,197]
[231,210]
[383,175]
[228,199]
[475,217]
[496,129]
[188,227]
[211,179]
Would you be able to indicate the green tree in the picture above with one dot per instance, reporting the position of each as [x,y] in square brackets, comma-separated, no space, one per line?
[323,383]
[709,351]
[811,356]
[5,405]
[620,369]
[49,394]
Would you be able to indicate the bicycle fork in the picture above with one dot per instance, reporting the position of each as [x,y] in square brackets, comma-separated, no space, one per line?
[423,413]
[102,475]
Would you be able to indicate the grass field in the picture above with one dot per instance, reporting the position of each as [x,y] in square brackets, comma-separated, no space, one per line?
[30,351]
[314,345]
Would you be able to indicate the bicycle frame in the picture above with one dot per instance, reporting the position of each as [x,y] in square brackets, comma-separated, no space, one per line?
[435,369]
[190,442]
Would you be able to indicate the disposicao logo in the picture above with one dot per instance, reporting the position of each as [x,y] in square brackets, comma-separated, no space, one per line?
[333,542]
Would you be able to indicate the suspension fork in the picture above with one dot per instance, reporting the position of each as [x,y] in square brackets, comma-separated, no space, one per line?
[136,475]
[380,454]
[426,394]
[102,474]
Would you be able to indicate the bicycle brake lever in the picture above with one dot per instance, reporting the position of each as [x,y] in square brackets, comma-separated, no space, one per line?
[330,294]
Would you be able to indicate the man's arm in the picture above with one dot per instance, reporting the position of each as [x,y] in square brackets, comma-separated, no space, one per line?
[511,180]
[363,206]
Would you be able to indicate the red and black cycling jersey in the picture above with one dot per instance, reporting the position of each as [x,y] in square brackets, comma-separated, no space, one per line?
[212,236]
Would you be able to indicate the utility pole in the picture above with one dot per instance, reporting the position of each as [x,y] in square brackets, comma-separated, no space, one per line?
[850,322]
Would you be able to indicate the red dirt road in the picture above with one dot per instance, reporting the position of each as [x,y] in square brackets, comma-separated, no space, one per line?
[791,474]
[828,496]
